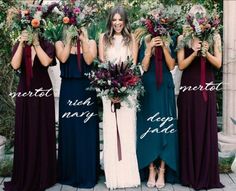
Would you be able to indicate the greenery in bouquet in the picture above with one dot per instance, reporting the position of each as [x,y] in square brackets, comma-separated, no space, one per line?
[161,21]
[204,27]
[53,28]
[70,15]
[29,18]
[117,80]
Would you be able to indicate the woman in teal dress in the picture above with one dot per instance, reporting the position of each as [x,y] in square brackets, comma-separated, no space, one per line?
[157,140]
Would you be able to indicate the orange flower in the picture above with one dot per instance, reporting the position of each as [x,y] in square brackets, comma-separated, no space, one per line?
[202,27]
[163,20]
[35,23]
[66,20]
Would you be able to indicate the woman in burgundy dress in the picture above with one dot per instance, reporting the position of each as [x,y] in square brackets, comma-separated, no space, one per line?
[34,167]
[197,112]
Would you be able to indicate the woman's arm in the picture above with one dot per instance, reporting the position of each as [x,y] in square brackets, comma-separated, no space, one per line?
[185,62]
[147,54]
[44,59]
[89,47]
[63,51]
[101,48]
[17,58]
[216,59]
[168,58]
[134,49]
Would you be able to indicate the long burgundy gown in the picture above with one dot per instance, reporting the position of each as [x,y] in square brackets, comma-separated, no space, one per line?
[34,166]
[198,130]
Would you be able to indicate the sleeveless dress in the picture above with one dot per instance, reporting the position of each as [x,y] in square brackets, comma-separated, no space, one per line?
[78,154]
[123,173]
[198,130]
[158,115]
[34,165]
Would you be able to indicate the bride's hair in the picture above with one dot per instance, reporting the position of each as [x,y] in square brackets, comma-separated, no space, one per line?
[126,32]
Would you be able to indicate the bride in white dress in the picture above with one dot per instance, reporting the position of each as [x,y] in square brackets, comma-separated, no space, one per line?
[116,45]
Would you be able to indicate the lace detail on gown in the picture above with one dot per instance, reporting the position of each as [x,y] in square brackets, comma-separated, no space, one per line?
[124,173]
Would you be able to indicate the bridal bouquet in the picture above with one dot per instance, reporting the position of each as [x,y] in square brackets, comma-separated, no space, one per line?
[117,80]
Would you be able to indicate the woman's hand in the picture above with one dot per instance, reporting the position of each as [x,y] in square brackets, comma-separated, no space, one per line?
[82,35]
[156,41]
[196,46]
[68,37]
[115,100]
[35,39]
[24,37]
[205,48]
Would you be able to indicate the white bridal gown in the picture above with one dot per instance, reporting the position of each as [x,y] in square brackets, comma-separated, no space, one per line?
[123,173]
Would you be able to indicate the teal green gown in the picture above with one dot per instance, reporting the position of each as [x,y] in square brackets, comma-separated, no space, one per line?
[157,134]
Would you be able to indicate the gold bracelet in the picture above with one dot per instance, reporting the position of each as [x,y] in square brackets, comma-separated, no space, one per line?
[36,44]
[148,54]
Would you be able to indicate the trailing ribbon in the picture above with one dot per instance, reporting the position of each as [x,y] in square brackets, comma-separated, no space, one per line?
[158,63]
[78,54]
[203,77]
[117,106]
[28,65]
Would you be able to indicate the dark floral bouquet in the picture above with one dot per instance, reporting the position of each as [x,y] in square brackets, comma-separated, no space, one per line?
[30,18]
[162,22]
[117,80]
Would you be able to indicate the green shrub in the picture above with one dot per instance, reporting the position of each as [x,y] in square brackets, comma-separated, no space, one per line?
[6,165]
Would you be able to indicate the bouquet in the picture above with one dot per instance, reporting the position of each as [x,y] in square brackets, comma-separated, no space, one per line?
[202,27]
[161,21]
[29,18]
[32,19]
[70,15]
[117,81]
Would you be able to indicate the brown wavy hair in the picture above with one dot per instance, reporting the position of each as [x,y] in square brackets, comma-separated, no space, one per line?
[126,32]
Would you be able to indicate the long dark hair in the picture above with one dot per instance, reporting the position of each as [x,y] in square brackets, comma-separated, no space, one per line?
[126,32]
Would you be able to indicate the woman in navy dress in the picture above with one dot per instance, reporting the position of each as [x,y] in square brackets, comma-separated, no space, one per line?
[157,140]
[197,113]
[34,165]
[78,155]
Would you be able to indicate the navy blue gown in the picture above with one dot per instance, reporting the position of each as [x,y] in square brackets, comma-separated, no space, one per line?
[78,155]
[157,106]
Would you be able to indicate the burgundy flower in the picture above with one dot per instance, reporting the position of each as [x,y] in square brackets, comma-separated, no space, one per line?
[39,7]
[131,81]
[72,21]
